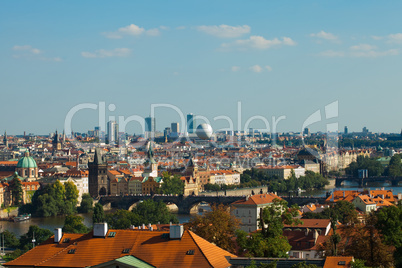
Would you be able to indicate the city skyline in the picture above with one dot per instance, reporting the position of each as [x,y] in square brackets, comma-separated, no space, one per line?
[278,59]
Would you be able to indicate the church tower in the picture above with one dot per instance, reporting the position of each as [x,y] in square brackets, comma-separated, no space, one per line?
[5,140]
[56,143]
[98,180]
[151,166]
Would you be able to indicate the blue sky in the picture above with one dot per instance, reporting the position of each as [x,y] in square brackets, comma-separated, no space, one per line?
[278,58]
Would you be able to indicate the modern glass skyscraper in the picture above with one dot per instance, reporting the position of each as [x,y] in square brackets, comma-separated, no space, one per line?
[112,131]
[150,127]
[175,127]
[190,123]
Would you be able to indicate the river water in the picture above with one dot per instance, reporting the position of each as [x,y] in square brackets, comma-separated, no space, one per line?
[19,228]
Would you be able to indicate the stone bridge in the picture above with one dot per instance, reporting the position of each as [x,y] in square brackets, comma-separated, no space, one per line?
[364,182]
[183,203]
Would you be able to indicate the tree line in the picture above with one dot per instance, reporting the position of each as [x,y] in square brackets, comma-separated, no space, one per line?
[375,168]
[52,200]
[255,178]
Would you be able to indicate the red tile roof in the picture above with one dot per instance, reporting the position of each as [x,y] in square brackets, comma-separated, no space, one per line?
[312,223]
[258,199]
[334,262]
[148,246]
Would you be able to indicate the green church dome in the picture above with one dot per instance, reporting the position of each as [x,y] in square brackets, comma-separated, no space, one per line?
[26,162]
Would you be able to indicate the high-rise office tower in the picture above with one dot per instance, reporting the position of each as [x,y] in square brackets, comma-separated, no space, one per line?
[346,130]
[175,127]
[112,131]
[150,127]
[307,132]
[190,123]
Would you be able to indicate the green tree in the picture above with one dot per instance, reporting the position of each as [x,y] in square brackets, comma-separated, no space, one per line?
[358,264]
[388,221]
[99,214]
[73,224]
[71,193]
[121,219]
[342,211]
[217,226]
[395,166]
[16,190]
[372,165]
[86,203]
[150,211]
[13,255]
[172,185]
[212,187]
[10,240]
[253,264]
[256,245]
[59,190]
[303,265]
[274,216]
[269,242]
[40,236]
[46,206]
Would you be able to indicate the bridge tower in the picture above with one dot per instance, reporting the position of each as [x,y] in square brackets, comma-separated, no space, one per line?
[98,180]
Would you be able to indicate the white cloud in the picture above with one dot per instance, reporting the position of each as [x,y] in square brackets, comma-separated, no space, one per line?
[256,68]
[224,31]
[103,53]
[360,51]
[165,28]
[326,36]
[133,30]
[181,28]
[374,53]
[377,37]
[390,39]
[30,53]
[153,32]
[259,42]
[235,68]
[27,48]
[363,47]
[395,38]
[269,68]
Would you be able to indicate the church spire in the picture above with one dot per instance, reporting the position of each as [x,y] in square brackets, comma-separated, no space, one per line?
[150,154]
[5,140]
[56,138]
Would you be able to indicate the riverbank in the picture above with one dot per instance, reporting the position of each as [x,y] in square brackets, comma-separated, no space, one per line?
[331,184]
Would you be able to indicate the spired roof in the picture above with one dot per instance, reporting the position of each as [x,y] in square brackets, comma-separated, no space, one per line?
[98,157]
[151,154]
[26,162]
